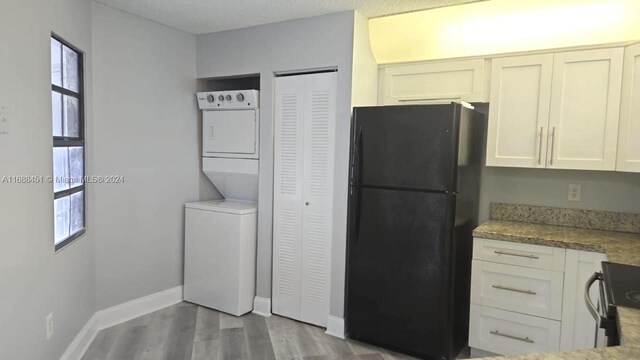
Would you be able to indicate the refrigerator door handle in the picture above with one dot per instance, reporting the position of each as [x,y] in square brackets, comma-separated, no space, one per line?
[355,179]
[355,159]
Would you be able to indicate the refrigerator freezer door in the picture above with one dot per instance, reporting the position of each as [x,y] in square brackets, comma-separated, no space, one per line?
[397,270]
[407,147]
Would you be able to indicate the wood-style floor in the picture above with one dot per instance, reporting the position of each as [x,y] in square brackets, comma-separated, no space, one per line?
[189,332]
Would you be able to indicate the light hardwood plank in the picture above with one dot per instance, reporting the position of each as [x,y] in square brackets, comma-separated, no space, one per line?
[233,344]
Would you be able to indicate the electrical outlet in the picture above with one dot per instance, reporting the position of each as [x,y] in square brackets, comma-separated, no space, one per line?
[4,120]
[575,192]
[49,320]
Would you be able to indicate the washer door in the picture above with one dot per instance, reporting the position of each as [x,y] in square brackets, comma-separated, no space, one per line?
[229,132]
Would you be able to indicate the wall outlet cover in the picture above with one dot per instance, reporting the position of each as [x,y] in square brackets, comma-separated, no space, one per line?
[4,120]
[49,321]
[575,192]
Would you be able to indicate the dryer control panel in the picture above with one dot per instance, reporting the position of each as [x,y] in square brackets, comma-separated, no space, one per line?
[228,100]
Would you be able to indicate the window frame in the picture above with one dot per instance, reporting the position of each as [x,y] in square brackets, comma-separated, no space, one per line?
[65,141]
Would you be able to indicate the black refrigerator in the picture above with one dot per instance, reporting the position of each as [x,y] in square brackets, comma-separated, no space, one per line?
[413,203]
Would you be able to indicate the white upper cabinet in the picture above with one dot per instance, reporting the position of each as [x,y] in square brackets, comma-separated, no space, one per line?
[415,83]
[519,116]
[629,138]
[556,111]
[585,106]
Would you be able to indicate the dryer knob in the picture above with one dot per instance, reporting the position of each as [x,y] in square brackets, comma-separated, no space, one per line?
[240,97]
[220,97]
[211,98]
[228,97]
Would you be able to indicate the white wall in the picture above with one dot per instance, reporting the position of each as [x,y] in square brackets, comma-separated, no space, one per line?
[317,42]
[34,279]
[145,130]
[364,90]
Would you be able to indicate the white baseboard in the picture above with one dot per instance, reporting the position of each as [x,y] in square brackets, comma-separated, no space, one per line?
[138,307]
[335,326]
[262,306]
[477,353]
[118,314]
[81,342]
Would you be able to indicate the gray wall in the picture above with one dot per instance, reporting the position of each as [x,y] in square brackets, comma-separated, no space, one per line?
[35,280]
[601,190]
[145,130]
[318,42]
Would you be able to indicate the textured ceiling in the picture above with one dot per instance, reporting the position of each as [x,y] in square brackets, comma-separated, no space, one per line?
[205,16]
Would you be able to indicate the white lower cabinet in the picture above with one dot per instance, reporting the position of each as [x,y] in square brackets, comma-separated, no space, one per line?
[530,298]
[508,333]
[578,326]
[524,290]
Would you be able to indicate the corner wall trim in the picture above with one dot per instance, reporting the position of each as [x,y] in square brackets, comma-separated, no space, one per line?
[118,314]
[138,307]
[262,306]
[335,326]
[80,344]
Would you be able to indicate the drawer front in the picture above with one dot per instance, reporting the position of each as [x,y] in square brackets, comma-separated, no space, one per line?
[514,288]
[507,333]
[505,252]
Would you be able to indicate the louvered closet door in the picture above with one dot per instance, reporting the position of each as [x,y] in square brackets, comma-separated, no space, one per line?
[287,196]
[319,122]
[303,188]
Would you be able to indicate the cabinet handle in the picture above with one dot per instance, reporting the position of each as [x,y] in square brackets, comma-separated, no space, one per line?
[211,132]
[553,140]
[540,147]
[525,339]
[500,287]
[499,252]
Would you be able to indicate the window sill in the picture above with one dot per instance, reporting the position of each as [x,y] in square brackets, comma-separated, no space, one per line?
[68,241]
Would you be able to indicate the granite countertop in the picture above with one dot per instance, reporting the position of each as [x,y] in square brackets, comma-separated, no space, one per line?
[620,247]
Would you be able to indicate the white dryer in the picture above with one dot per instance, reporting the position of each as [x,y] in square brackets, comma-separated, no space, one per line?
[231,141]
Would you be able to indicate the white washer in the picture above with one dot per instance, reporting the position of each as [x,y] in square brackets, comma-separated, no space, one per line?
[220,255]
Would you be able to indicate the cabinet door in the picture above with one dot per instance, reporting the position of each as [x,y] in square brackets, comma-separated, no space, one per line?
[317,180]
[578,326]
[519,113]
[407,84]
[585,106]
[287,195]
[629,138]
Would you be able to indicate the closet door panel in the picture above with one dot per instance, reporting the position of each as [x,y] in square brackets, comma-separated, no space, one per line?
[287,196]
[319,128]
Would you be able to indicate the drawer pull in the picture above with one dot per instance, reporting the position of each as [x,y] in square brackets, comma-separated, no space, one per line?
[519,255]
[512,289]
[525,339]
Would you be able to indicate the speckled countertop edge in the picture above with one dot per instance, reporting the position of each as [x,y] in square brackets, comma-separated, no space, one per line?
[619,247]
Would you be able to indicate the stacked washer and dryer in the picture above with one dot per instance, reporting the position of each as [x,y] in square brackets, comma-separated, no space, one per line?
[220,235]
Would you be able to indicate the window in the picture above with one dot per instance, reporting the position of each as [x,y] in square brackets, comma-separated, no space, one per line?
[67,116]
